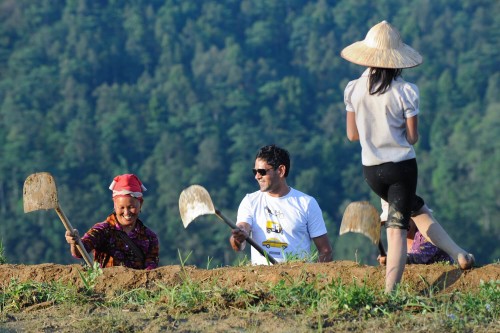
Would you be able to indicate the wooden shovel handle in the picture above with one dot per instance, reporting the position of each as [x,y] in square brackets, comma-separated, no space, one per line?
[248,239]
[381,249]
[79,244]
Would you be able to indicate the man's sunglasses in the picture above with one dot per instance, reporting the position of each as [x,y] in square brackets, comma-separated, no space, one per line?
[261,172]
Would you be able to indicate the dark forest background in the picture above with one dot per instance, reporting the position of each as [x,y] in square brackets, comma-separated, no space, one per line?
[185,92]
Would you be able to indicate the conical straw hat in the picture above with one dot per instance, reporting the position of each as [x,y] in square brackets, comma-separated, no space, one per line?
[383,48]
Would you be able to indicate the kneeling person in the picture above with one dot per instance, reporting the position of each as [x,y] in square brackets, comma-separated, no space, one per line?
[122,239]
[284,221]
[420,249]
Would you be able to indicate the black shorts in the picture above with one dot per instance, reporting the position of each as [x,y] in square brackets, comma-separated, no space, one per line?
[396,183]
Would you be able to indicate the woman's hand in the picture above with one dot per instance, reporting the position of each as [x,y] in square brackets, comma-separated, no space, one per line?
[71,237]
[382,260]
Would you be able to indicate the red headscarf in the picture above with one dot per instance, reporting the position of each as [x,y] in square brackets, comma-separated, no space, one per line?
[127,184]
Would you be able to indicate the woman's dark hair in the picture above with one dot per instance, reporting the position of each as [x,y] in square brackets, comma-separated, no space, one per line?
[381,79]
[275,156]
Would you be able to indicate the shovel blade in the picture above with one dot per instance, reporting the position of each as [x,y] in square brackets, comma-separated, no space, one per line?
[194,201]
[39,192]
[361,217]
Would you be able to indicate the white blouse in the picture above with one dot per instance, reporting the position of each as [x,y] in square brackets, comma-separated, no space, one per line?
[381,119]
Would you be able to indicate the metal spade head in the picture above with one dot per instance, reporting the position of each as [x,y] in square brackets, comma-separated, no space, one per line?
[361,217]
[194,201]
[40,192]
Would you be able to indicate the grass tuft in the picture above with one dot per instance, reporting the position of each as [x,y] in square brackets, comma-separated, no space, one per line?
[17,296]
[89,277]
[3,259]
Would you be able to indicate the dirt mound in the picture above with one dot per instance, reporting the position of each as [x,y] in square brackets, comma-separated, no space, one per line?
[418,277]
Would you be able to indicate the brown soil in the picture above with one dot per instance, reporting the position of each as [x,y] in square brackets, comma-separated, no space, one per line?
[439,277]
[420,277]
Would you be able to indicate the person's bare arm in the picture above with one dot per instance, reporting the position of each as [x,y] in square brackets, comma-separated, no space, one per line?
[412,130]
[325,252]
[239,236]
[71,240]
[352,128]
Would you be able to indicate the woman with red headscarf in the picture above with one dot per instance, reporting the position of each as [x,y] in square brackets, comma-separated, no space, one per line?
[122,239]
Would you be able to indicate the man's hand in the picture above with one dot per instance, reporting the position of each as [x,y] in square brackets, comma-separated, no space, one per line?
[382,260]
[237,239]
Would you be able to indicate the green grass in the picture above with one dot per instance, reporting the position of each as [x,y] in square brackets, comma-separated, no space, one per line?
[334,302]
[321,305]
[89,277]
[3,259]
[18,296]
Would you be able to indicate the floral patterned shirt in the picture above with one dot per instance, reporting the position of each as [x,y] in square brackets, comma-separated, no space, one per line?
[424,252]
[110,249]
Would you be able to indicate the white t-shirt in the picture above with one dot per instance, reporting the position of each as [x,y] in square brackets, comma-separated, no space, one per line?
[282,226]
[381,119]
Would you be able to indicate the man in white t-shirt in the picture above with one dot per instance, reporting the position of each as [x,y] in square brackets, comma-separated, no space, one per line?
[281,219]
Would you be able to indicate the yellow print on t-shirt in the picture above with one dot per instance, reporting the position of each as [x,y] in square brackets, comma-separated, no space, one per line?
[274,242]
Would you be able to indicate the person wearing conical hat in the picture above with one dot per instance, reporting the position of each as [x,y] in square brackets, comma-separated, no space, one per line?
[122,239]
[382,114]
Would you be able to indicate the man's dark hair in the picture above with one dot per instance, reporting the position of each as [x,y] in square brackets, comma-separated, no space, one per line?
[381,79]
[275,156]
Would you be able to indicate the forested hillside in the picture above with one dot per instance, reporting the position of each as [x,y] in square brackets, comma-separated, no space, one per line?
[184,92]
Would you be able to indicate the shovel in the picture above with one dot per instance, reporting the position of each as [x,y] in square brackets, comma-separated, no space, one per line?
[195,201]
[362,217]
[40,192]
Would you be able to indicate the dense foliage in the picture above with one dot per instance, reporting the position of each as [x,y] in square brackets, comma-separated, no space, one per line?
[184,92]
